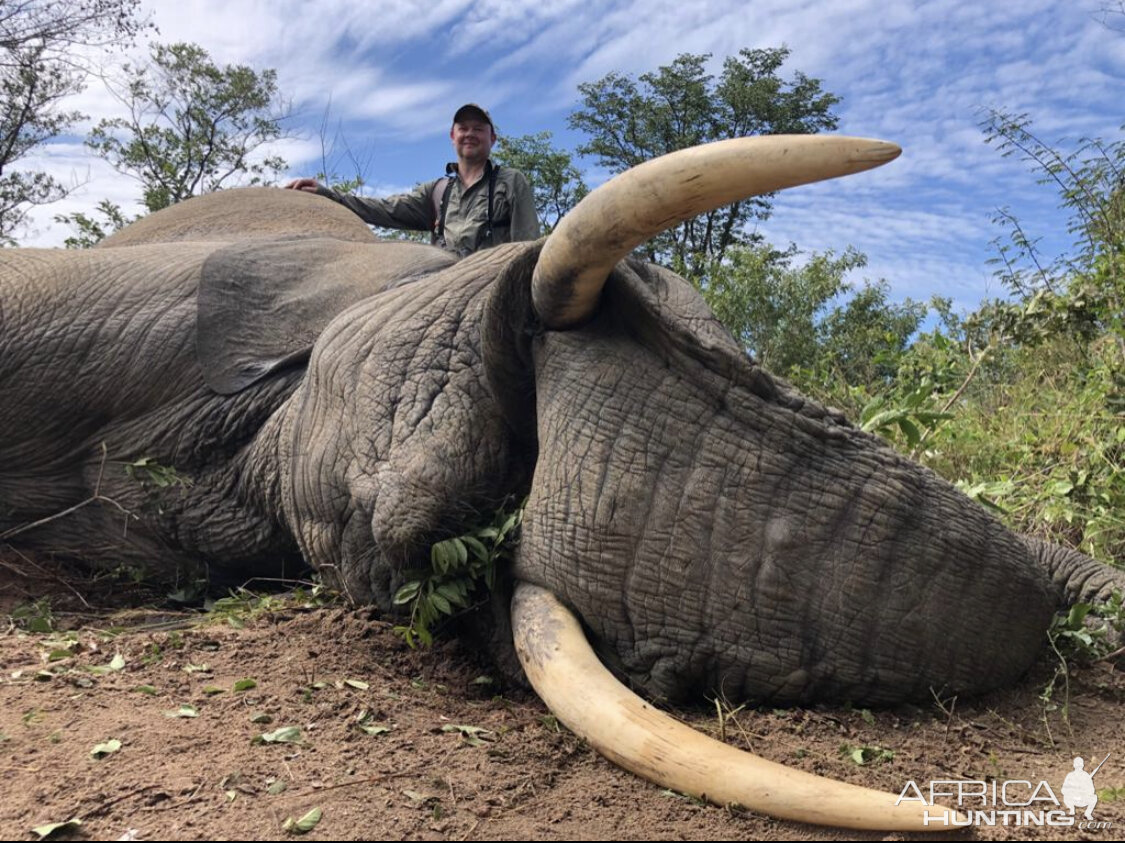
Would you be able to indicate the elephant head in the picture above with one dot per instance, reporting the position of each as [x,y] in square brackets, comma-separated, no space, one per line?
[351,402]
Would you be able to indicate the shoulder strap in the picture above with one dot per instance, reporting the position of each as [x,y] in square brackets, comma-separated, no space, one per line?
[440,197]
[494,170]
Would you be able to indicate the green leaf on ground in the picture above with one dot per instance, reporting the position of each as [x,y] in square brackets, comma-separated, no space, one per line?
[470,734]
[304,824]
[286,734]
[866,754]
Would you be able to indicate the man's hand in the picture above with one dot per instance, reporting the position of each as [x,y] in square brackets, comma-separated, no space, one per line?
[303,184]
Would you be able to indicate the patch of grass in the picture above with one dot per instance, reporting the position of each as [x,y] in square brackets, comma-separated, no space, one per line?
[243,605]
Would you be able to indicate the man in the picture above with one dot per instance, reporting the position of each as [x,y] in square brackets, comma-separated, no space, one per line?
[478,204]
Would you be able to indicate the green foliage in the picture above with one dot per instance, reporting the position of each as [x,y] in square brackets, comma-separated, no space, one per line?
[912,418]
[1021,402]
[555,180]
[863,755]
[242,605]
[31,90]
[1026,421]
[1087,284]
[802,320]
[89,230]
[1089,632]
[402,234]
[1041,427]
[630,121]
[39,68]
[1084,634]
[35,616]
[192,126]
[459,568]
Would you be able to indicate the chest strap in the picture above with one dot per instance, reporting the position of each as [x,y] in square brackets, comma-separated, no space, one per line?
[445,186]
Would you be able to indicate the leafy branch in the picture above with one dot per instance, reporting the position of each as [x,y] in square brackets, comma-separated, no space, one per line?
[459,568]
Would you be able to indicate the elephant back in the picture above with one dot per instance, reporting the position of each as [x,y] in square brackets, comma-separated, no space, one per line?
[251,213]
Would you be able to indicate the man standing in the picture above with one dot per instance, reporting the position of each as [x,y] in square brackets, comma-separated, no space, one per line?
[478,204]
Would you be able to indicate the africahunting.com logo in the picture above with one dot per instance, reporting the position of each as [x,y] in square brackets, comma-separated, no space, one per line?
[1013,802]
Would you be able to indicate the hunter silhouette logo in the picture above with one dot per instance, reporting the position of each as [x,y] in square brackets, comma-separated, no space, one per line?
[1013,802]
[1078,788]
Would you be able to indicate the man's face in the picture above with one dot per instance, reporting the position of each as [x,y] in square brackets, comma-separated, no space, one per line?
[472,140]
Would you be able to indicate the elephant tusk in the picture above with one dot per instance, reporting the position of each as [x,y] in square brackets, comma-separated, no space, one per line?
[636,205]
[583,694]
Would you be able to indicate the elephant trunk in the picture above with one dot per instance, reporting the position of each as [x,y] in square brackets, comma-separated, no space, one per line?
[1075,576]
[568,677]
[659,194]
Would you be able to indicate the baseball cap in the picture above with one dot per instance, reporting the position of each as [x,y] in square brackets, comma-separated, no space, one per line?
[472,111]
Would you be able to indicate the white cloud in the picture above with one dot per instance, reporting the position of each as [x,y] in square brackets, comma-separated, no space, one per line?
[917,72]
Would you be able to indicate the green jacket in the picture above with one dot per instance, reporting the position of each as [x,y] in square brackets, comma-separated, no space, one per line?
[466,217]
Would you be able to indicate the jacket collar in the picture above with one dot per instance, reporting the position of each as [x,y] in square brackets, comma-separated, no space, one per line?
[451,169]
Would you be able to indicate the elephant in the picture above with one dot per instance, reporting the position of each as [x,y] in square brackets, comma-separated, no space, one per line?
[693,524]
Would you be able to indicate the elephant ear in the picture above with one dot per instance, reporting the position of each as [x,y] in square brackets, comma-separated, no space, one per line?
[252,213]
[262,305]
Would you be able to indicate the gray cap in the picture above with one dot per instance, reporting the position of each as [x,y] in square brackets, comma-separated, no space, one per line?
[472,111]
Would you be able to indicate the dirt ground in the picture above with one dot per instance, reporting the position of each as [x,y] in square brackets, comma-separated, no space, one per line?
[392,743]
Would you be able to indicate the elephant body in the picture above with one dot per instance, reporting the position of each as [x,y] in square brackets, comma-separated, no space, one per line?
[344,402]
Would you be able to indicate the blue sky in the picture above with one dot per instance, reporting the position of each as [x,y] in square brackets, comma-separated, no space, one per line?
[917,73]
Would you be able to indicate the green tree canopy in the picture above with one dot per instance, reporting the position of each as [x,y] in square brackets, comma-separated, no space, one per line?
[192,126]
[555,180]
[38,69]
[797,316]
[630,121]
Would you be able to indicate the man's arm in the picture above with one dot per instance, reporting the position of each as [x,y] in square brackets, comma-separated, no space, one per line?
[525,222]
[413,210]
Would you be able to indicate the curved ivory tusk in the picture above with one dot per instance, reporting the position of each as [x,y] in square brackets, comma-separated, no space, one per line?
[636,205]
[631,733]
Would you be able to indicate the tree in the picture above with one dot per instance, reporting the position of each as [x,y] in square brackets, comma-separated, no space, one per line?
[556,182]
[864,339]
[31,89]
[88,230]
[1112,15]
[342,168]
[39,67]
[1087,284]
[60,25]
[795,319]
[192,126]
[681,105]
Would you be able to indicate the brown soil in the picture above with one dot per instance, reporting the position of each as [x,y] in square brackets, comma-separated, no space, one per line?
[331,670]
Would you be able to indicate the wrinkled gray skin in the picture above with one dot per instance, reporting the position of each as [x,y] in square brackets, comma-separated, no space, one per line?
[714,530]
